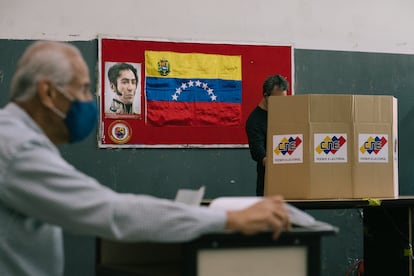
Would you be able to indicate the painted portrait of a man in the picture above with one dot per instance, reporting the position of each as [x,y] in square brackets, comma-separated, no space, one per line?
[123,89]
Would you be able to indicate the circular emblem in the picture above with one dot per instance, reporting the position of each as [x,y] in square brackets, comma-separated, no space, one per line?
[120,132]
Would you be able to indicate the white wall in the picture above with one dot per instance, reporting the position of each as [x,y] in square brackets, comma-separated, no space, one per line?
[354,25]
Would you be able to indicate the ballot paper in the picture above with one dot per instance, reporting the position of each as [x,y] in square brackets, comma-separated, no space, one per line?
[190,197]
[297,217]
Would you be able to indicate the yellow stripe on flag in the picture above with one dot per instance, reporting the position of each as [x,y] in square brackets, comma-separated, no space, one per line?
[194,65]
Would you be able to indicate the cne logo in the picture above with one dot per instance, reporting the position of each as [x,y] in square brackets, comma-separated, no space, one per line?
[373,148]
[288,145]
[287,148]
[330,144]
[330,148]
[373,145]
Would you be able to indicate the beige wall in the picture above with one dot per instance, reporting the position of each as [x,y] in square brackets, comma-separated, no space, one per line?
[353,25]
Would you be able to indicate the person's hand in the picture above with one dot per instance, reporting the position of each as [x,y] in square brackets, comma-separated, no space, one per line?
[268,214]
[264,161]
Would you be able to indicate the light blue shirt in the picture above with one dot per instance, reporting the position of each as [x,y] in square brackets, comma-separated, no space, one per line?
[40,193]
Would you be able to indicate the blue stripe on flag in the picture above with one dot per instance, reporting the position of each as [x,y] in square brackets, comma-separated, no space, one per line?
[193,90]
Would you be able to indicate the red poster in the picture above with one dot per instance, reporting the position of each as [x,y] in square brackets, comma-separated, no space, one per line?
[182,94]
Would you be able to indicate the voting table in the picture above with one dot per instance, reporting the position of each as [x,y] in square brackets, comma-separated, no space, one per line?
[387,231]
[295,253]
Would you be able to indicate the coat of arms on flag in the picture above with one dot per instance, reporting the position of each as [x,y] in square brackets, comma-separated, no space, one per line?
[163,67]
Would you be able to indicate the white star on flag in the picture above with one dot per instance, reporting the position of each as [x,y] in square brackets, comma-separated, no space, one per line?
[190,83]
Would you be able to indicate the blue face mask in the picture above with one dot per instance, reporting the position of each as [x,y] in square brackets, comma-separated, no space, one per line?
[81,120]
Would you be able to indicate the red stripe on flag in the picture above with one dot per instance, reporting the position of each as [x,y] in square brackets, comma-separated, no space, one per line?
[160,113]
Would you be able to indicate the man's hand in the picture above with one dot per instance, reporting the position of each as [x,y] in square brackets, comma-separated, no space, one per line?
[267,214]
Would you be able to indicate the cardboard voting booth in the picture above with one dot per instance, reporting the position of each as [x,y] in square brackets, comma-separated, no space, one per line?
[332,146]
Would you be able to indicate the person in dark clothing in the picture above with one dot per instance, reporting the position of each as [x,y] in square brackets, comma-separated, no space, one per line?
[256,126]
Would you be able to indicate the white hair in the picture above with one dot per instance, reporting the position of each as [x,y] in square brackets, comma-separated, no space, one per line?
[43,60]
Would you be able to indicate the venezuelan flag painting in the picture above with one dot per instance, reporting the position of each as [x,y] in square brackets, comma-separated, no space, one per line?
[193,89]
